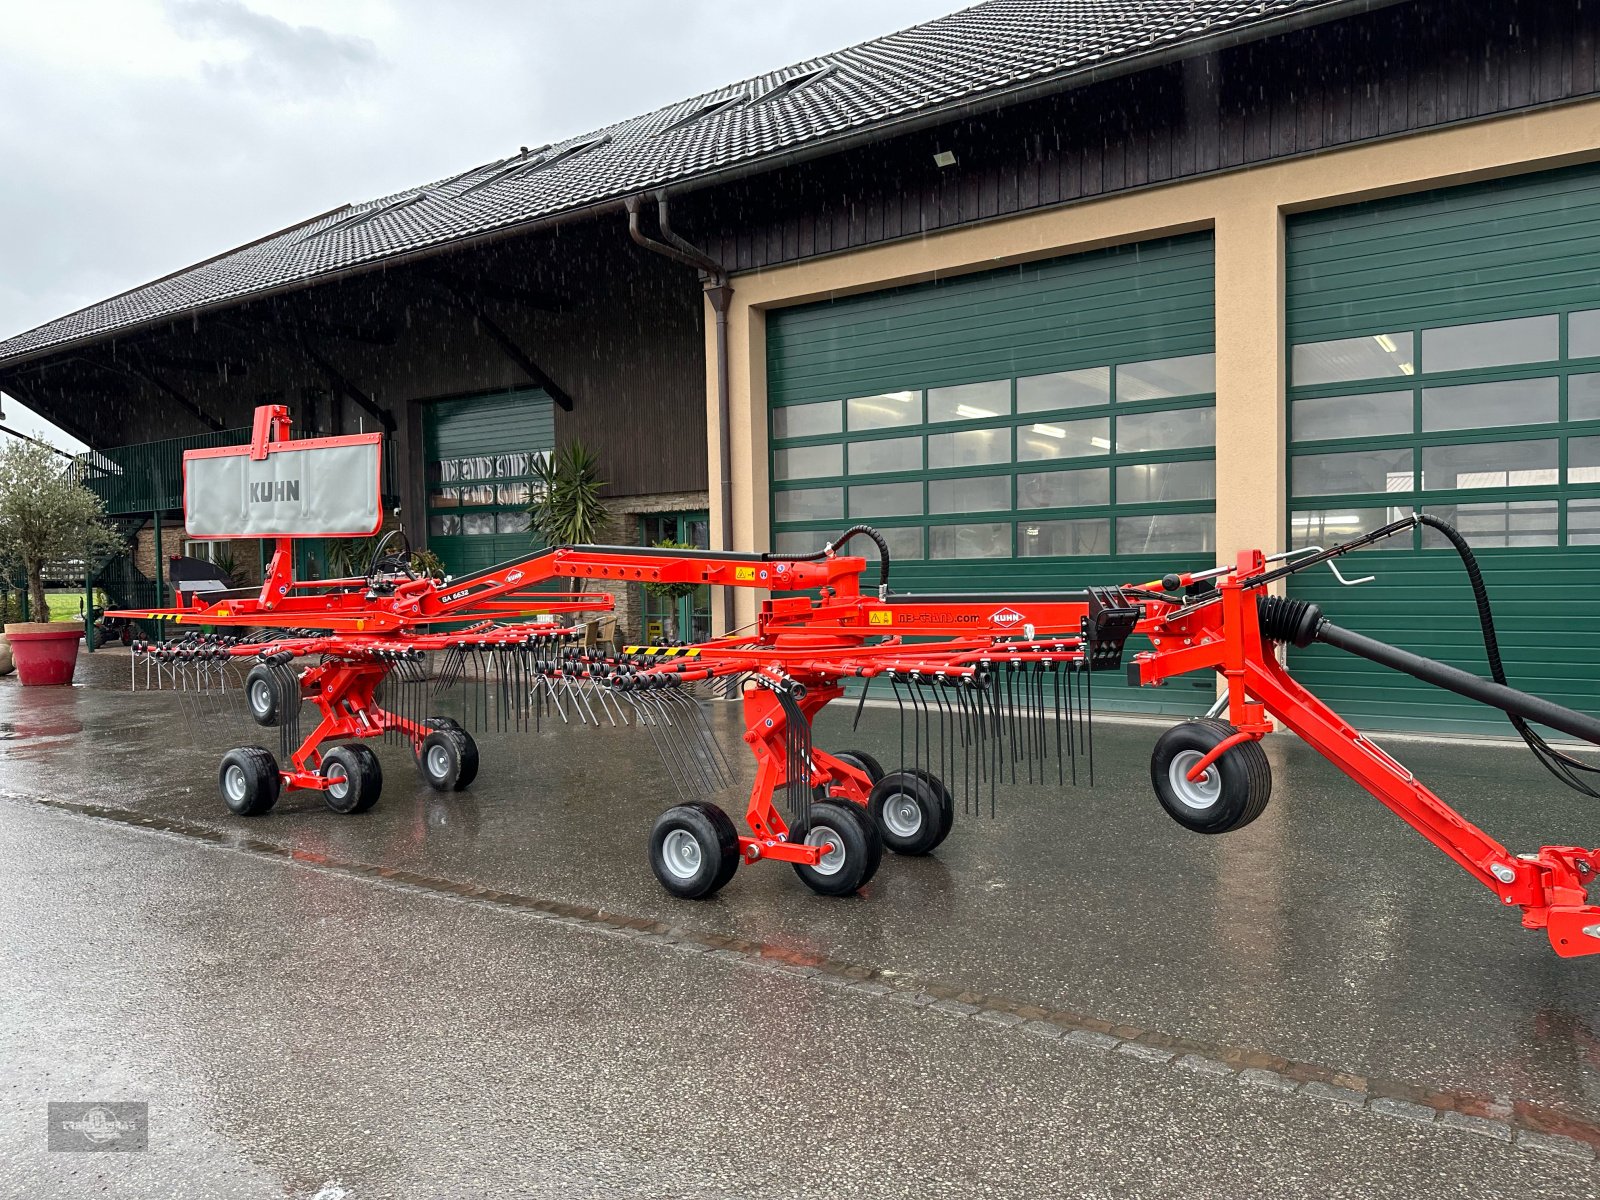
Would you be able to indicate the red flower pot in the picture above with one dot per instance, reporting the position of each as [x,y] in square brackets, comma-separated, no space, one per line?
[46,654]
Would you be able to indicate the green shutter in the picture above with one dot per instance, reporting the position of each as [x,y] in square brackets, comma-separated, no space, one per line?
[1140,315]
[1512,249]
[503,431]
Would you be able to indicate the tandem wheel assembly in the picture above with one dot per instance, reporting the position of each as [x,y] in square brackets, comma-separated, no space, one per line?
[249,780]
[855,848]
[352,778]
[694,850]
[264,692]
[447,759]
[912,809]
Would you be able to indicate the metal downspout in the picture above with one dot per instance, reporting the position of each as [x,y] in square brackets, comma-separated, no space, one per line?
[717,289]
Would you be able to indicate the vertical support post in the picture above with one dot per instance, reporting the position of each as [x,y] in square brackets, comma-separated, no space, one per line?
[161,579]
[88,609]
[1252,374]
[1252,483]
[749,466]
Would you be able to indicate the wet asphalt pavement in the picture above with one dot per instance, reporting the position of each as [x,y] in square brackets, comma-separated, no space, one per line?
[299,1028]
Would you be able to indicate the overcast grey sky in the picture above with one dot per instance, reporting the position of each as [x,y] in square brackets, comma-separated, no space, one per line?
[138,136]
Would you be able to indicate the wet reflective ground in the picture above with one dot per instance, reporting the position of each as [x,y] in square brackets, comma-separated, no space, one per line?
[1326,932]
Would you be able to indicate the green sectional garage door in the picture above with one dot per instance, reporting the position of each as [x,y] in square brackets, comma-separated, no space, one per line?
[480,456]
[1037,427]
[1445,354]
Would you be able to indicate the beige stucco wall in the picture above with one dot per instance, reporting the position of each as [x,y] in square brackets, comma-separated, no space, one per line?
[1245,209]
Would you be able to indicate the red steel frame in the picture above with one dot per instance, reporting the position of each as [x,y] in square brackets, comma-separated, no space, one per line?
[810,645]
[1224,635]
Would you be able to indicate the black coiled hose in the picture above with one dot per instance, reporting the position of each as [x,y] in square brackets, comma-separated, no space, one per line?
[853,531]
[1563,766]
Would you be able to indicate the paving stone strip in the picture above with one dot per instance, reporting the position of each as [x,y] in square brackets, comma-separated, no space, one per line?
[1533,1127]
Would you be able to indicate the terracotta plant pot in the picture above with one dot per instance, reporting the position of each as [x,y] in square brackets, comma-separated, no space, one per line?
[46,653]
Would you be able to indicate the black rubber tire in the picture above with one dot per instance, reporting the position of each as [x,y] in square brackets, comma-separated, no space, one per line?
[921,821]
[858,838]
[448,759]
[361,779]
[263,697]
[1234,791]
[125,635]
[255,787]
[947,817]
[469,760]
[864,762]
[703,871]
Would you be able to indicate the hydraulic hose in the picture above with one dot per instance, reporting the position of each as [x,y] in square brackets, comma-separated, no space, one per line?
[853,531]
[1519,706]
[1563,766]
[1301,623]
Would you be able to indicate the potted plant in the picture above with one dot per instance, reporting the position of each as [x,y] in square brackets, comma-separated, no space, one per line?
[568,510]
[46,517]
[671,592]
[10,606]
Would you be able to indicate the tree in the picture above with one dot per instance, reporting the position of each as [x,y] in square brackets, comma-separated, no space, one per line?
[47,517]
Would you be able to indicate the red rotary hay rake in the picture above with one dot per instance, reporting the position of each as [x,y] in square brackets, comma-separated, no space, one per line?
[990,690]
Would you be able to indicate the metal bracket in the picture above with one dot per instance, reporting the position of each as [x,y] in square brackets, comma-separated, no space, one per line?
[1303,551]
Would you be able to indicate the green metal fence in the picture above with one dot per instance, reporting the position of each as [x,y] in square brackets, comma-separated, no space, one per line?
[147,477]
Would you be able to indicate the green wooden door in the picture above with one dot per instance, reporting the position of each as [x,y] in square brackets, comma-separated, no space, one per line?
[481,454]
[1038,427]
[1445,354]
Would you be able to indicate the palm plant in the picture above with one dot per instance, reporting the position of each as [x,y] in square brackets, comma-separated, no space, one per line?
[568,510]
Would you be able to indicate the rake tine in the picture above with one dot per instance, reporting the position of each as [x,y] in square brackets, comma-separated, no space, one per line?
[703,745]
[866,686]
[672,738]
[1088,720]
[944,733]
[900,703]
[658,735]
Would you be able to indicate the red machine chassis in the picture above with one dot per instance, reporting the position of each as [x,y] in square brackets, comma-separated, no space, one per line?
[805,646]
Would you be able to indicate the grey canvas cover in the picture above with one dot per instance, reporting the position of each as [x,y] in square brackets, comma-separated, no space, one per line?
[301,490]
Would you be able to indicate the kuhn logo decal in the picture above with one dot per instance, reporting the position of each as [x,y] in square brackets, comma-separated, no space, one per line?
[1005,616]
[513,576]
[275,491]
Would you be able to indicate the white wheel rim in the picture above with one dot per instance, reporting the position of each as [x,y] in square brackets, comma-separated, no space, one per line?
[338,780]
[261,697]
[234,782]
[438,762]
[902,815]
[832,862]
[1198,794]
[682,854]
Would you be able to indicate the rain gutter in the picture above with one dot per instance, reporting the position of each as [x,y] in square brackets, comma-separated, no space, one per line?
[720,293]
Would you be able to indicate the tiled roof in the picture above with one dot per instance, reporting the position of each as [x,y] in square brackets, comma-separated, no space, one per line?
[959,59]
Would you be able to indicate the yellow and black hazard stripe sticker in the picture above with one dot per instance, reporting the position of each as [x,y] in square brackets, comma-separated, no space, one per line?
[663,651]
